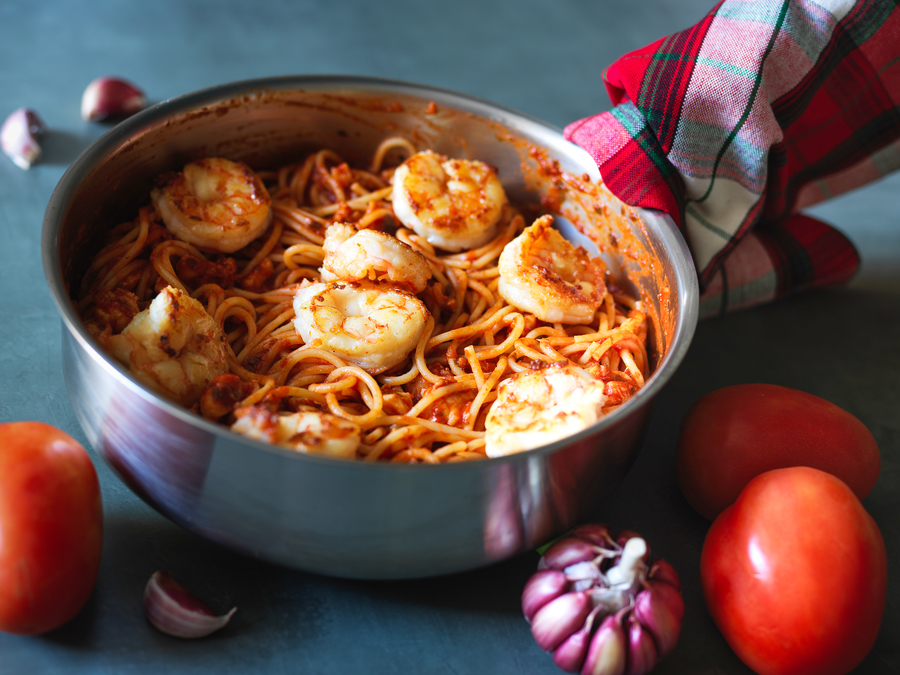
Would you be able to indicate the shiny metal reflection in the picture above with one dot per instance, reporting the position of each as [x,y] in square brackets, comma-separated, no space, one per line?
[327,516]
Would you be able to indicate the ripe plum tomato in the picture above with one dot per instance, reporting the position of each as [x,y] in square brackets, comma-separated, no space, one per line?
[794,574]
[51,527]
[735,433]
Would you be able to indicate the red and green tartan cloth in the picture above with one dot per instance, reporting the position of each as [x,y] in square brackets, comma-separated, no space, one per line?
[739,122]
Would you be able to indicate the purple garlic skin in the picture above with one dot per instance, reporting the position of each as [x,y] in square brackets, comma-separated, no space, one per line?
[608,651]
[559,618]
[111,97]
[595,533]
[601,606]
[567,552]
[570,654]
[21,135]
[660,570]
[543,587]
[660,609]
[642,653]
[173,610]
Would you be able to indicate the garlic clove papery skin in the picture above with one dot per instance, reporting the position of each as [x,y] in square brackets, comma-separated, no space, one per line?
[20,137]
[596,533]
[111,97]
[542,587]
[661,570]
[608,651]
[583,575]
[174,611]
[660,609]
[569,656]
[642,654]
[559,618]
[567,552]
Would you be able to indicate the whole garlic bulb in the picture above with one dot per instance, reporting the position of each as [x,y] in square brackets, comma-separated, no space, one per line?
[599,607]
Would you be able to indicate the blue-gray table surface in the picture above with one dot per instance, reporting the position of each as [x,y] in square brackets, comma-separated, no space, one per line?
[542,58]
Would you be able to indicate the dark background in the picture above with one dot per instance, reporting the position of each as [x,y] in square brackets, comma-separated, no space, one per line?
[542,58]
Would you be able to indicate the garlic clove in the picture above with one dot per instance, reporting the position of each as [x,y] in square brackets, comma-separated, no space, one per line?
[567,552]
[608,650]
[108,97]
[641,649]
[559,618]
[20,137]
[586,570]
[596,533]
[176,612]
[541,588]
[660,609]
[570,654]
[661,570]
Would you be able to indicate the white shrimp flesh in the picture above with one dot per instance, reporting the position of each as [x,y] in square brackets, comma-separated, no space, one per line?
[541,272]
[454,204]
[174,347]
[214,203]
[536,407]
[371,255]
[311,432]
[370,326]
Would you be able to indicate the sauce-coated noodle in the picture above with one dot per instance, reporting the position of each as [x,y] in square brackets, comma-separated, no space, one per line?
[350,335]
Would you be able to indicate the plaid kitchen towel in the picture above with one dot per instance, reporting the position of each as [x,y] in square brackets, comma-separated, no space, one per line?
[734,125]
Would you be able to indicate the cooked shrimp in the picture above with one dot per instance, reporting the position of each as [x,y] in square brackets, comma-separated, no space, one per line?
[454,204]
[214,203]
[536,407]
[223,394]
[116,308]
[174,347]
[543,273]
[374,256]
[367,325]
[312,432]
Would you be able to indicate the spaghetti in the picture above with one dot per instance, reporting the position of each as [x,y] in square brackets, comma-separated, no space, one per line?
[277,303]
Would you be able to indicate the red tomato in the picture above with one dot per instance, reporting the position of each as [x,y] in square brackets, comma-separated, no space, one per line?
[794,574]
[51,527]
[736,433]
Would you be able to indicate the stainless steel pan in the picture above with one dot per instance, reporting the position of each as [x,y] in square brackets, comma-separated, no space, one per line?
[328,516]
